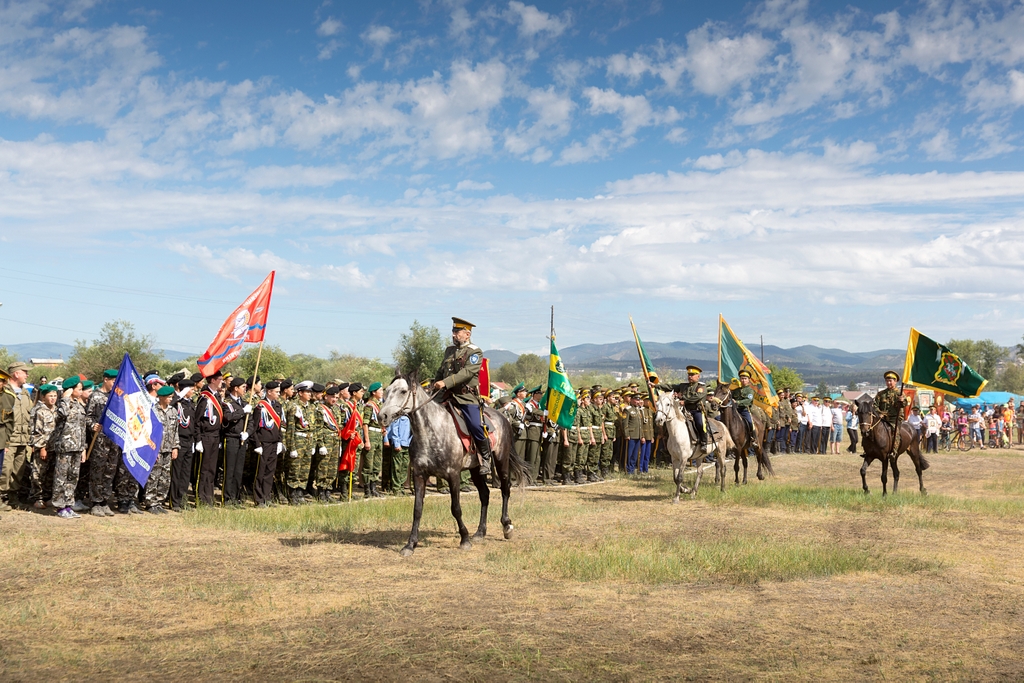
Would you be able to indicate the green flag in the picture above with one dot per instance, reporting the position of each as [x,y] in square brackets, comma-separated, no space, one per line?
[930,364]
[733,356]
[645,360]
[560,400]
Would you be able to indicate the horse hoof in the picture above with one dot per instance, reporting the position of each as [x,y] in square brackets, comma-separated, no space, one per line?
[466,545]
[508,532]
[406,551]
[477,536]
[924,492]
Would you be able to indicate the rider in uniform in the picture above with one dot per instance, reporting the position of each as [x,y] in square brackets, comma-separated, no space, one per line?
[459,374]
[890,403]
[693,395]
[743,397]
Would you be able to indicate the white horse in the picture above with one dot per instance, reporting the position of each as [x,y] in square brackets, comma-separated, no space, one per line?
[677,438]
[436,450]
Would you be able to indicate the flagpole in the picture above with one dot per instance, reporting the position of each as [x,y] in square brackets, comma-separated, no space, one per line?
[643,365]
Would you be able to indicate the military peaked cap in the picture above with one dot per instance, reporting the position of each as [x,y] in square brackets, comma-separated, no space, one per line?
[460,324]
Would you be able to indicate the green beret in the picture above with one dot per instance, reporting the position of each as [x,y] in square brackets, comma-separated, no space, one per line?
[70,382]
[165,390]
[109,374]
[46,388]
[374,387]
[88,384]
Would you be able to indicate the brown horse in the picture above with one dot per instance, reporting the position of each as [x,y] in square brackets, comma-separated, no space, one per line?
[876,440]
[741,437]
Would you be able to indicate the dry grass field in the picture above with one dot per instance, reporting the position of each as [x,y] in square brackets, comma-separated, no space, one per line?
[799,578]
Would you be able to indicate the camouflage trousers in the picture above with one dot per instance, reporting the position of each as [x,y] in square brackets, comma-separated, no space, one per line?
[65,478]
[126,489]
[373,457]
[299,466]
[40,474]
[326,466]
[102,468]
[532,457]
[594,455]
[159,482]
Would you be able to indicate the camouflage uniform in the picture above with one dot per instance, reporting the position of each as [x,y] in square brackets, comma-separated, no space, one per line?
[105,454]
[284,461]
[44,421]
[159,481]
[569,452]
[302,442]
[328,439]
[68,449]
[551,444]
[372,458]
[585,419]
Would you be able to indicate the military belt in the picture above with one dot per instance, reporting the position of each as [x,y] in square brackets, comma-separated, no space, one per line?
[375,429]
[302,434]
[608,423]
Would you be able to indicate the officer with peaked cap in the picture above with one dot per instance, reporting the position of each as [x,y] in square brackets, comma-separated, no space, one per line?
[459,376]
[693,396]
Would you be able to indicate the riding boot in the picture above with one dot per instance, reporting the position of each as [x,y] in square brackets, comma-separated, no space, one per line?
[483,447]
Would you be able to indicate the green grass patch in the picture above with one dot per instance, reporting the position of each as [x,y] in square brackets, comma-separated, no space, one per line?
[1012,487]
[659,561]
[773,494]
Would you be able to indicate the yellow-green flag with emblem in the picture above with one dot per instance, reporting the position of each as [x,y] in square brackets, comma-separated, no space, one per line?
[930,364]
[560,399]
[733,356]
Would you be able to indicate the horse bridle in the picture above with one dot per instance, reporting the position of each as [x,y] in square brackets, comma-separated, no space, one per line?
[414,392]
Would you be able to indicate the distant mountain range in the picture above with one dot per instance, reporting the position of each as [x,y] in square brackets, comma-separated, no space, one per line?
[812,362]
[58,350]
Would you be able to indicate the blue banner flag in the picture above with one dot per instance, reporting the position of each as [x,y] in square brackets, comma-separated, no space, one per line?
[131,423]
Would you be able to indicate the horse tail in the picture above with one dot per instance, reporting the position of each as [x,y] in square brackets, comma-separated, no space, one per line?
[916,453]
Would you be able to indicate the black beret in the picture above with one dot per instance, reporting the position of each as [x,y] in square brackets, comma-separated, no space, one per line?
[271,385]
[216,375]
[333,391]
[196,377]
[185,383]
[318,388]
[285,384]
[250,380]
[343,386]
[237,382]
[354,387]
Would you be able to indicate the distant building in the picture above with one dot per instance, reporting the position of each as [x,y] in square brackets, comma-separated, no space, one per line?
[46,362]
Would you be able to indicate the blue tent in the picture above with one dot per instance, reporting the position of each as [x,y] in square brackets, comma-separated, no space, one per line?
[988,398]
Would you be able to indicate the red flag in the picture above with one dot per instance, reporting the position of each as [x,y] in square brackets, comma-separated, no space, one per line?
[485,379]
[248,323]
[352,433]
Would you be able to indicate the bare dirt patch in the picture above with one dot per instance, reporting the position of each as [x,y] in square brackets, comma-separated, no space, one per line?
[601,582]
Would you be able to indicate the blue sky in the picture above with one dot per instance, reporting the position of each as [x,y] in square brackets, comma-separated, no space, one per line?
[820,173]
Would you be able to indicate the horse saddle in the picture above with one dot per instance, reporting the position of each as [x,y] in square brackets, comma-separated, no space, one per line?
[468,445]
[708,425]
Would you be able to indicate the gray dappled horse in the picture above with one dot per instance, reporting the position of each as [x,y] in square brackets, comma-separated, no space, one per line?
[677,439]
[741,438]
[876,441]
[436,450]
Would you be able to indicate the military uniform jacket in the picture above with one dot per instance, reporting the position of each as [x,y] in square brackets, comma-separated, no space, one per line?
[890,403]
[70,430]
[534,420]
[186,410]
[234,416]
[585,420]
[633,422]
[15,412]
[647,423]
[330,424]
[460,372]
[270,421]
[694,395]
[610,415]
[169,419]
[515,411]
[371,418]
[743,396]
[209,414]
[44,420]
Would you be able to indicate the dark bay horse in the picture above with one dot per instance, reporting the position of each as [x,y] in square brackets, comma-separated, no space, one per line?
[741,437]
[436,450]
[876,440]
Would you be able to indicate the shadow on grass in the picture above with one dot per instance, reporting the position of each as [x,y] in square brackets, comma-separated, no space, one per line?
[385,539]
[620,497]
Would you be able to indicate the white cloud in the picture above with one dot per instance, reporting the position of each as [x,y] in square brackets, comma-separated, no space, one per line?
[940,147]
[267,177]
[234,262]
[379,36]
[533,21]
[634,111]
[329,27]
[473,185]
[717,64]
